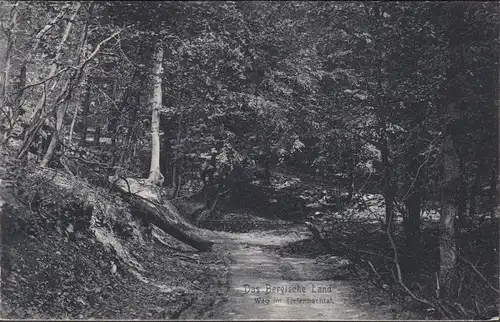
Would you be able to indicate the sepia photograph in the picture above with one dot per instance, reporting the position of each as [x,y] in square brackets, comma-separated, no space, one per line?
[249,160]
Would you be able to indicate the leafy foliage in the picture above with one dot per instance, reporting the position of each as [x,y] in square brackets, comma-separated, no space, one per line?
[364,94]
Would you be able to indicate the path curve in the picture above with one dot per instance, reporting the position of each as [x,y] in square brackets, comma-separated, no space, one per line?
[255,264]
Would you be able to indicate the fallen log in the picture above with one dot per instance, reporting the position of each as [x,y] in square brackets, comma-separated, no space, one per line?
[165,217]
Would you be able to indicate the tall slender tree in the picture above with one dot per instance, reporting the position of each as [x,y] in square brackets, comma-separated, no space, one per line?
[155,175]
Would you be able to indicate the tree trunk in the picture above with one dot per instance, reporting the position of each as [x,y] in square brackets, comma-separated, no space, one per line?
[462,196]
[383,146]
[174,176]
[72,127]
[207,213]
[116,112]
[451,100]
[177,186]
[207,178]
[413,200]
[97,134]
[4,80]
[412,229]
[29,137]
[474,191]
[350,179]
[448,246]
[36,120]
[55,62]
[61,111]
[462,203]
[165,217]
[412,222]
[46,28]
[39,119]
[267,164]
[35,124]
[21,84]
[18,108]
[125,154]
[155,216]
[210,193]
[497,143]
[155,176]
[85,113]
[175,156]
[387,187]
[86,82]
[166,155]
[414,194]
[493,191]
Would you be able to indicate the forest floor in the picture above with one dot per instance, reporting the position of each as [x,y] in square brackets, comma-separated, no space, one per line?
[260,274]
[47,277]
[71,250]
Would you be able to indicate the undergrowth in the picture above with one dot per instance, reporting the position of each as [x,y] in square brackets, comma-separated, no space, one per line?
[369,249]
[71,250]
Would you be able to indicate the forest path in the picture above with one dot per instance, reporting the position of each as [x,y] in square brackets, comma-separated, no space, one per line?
[255,264]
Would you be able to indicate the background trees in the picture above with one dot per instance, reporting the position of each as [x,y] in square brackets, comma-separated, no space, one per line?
[398,99]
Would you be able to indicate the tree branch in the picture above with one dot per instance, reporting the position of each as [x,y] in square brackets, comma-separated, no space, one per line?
[474,268]
[439,308]
[77,67]
[49,25]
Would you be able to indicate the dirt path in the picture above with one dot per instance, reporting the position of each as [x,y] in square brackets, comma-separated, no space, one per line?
[256,265]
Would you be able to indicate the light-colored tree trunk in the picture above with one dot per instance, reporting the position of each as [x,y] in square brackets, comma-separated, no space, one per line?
[35,120]
[55,61]
[5,75]
[448,246]
[155,176]
[9,125]
[40,117]
[85,113]
[29,59]
[47,27]
[61,111]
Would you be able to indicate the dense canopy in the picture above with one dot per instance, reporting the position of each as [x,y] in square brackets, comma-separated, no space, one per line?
[398,99]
